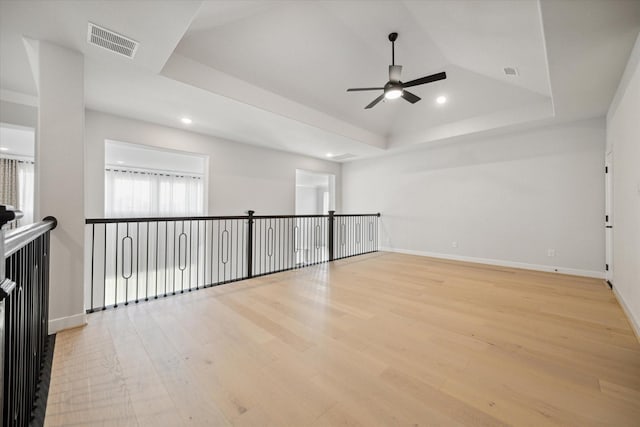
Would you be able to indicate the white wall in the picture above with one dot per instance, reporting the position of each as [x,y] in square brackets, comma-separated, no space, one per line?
[505,199]
[59,177]
[623,138]
[241,176]
[18,114]
[123,155]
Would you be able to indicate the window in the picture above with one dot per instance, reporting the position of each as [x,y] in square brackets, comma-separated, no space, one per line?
[143,181]
[17,171]
[138,193]
[25,191]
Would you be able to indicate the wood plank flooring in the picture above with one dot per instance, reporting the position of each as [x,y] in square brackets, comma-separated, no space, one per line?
[378,340]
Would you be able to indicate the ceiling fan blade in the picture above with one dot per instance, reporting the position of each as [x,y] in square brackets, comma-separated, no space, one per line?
[375,101]
[427,79]
[410,97]
[358,89]
[394,73]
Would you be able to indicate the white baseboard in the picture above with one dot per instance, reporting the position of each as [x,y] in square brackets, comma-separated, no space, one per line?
[62,323]
[501,263]
[635,324]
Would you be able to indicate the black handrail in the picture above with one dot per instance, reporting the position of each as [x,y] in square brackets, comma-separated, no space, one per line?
[204,218]
[134,259]
[16,239]
[24,316]
[9,213]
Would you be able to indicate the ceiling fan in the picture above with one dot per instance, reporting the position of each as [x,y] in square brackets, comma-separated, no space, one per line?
[394,88]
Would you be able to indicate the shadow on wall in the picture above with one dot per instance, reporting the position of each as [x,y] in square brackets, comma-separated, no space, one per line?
[503,148]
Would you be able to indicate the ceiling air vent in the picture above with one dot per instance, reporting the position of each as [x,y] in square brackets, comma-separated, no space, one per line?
[343,156]
[511,71]
[112,41]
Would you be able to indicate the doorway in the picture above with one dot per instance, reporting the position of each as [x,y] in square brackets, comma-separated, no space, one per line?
[315,195]
[315,192]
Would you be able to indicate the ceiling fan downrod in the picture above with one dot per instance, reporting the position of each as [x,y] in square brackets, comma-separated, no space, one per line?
[392,38]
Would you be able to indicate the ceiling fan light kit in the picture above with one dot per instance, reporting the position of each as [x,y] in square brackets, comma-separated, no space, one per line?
[393,92]
[395,88]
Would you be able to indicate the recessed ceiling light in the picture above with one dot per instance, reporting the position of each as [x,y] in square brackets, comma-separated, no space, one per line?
[441,99]
[4,149]
[329,154]
[186,120]
[120,162]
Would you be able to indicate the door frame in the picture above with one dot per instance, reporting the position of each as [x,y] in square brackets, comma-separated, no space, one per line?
[608,212]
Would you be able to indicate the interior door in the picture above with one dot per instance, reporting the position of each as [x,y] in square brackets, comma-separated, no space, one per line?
[608,212]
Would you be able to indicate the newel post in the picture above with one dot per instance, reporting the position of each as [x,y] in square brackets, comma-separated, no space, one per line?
[250,244]
[330,232]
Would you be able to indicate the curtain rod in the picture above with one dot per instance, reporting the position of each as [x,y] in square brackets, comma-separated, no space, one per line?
[151,172]
[18,159]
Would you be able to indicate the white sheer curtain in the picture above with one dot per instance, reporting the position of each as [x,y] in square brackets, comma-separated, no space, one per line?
[131,193]
[26,191]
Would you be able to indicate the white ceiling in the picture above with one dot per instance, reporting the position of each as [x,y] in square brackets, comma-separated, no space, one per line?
[158,26]
[275,73]
[311,52]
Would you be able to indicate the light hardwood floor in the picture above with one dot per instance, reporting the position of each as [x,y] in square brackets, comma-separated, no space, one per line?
[383,339]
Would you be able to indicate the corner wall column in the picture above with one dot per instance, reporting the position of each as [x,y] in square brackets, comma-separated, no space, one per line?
[60,175]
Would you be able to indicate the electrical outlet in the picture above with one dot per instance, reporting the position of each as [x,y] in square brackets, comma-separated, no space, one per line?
[454,244]
[551,252]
